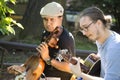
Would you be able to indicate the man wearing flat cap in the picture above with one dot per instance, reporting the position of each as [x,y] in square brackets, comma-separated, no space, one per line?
[55,67]
[52,14]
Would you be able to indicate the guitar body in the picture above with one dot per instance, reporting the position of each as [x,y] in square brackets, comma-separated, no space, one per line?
[34,69]
[95,69]
[93,63]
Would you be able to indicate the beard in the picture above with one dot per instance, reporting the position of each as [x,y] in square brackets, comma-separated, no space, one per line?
[92,40]
[94,36]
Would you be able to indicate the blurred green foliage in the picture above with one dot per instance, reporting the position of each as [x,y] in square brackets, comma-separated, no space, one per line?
[110,7]
[83,43]
[6,22]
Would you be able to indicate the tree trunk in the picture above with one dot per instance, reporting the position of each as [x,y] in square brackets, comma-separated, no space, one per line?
[32,20]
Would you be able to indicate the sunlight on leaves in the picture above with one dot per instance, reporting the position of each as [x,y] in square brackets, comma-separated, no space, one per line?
[6,22]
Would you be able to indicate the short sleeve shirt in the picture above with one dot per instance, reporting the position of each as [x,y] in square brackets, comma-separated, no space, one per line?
[109,53]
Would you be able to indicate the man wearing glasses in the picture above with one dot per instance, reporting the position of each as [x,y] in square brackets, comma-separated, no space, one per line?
[93,24]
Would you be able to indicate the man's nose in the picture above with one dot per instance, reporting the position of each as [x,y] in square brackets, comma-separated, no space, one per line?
[48,22]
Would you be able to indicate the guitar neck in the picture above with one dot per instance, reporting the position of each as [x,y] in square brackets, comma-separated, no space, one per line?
[89,63]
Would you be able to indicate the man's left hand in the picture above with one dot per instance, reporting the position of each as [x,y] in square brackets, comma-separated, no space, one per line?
[43,51]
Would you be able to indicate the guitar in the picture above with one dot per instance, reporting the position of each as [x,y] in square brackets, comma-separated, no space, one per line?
[34,65]
[91,64]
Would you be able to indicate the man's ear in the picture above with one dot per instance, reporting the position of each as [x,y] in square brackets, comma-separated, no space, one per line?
[99,23]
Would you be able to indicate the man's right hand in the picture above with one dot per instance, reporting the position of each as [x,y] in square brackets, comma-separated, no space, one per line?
[76,69]
[15,69]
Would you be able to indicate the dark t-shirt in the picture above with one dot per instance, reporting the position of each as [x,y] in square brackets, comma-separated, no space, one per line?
[66,41]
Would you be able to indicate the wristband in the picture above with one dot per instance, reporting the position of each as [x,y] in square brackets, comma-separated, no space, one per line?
[48,61]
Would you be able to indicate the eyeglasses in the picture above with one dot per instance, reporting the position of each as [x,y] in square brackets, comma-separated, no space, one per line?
[86,28]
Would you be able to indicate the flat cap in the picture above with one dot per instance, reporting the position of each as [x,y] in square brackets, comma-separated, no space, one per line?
[52,9]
